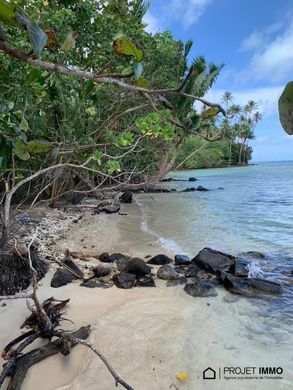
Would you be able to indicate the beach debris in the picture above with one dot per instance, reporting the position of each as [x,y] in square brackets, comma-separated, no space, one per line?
[182,376]
[108,207]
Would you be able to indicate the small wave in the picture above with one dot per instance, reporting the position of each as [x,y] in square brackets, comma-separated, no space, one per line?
[170,245]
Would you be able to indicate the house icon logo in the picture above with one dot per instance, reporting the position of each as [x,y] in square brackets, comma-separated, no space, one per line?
[209,373]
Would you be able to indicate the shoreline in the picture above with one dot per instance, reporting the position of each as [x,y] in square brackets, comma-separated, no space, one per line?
[148,334]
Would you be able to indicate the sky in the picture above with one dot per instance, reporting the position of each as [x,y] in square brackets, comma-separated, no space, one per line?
[254,39]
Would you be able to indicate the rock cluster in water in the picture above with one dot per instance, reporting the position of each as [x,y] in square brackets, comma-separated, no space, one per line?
[200,276]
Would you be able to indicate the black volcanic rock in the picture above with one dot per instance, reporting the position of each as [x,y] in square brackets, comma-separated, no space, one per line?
[160,260]
[212,260]
[124,280]
[251,286]
[200,288]
[167,272]
[138,267]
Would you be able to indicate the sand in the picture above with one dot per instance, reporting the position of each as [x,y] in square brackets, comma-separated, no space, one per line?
[148,334]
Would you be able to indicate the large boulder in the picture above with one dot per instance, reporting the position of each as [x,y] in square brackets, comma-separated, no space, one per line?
[138,267]
[200,288]
[182,260]
[213,261]
[124,280]
[62,277]
[240,267]
[251,286]
[160,260]
[166,272]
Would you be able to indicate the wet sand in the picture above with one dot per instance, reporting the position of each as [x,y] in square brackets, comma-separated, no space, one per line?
[148,334]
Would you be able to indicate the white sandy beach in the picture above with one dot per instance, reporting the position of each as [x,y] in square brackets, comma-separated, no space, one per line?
[148,334]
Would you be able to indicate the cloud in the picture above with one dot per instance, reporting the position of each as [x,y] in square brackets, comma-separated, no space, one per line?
[272,56]
[258,39]
[153,23]
[187,12]
[266,98]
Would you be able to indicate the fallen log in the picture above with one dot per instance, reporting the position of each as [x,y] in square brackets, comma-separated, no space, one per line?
[18,371]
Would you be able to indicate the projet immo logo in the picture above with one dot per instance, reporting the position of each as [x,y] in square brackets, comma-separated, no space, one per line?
[209,373]
[243,373]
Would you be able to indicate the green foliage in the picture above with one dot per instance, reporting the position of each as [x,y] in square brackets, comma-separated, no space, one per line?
[7,11]
[126,47]
[286,108]
[156,125]
[46,118]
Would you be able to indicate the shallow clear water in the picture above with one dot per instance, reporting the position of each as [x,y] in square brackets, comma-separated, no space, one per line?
[254,211]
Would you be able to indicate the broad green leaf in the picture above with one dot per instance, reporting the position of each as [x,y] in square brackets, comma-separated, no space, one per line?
[7,11]
[34,75]
[138,69]
[21,150]
[210,113]
[37,147]
[69,42]
[37,37]
[286,108]
[97,156]
[126,47]
[23,124]
[113,166]
[126,139]
[10,105]
[141,82]
[89,86]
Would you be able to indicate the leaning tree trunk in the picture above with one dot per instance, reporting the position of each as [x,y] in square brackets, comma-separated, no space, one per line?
[164,166]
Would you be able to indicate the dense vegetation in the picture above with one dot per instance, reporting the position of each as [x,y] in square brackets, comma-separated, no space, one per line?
[233,146]
[90,100]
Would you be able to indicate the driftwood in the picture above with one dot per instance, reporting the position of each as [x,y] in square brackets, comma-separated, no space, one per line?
[18,369]
[43,322]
